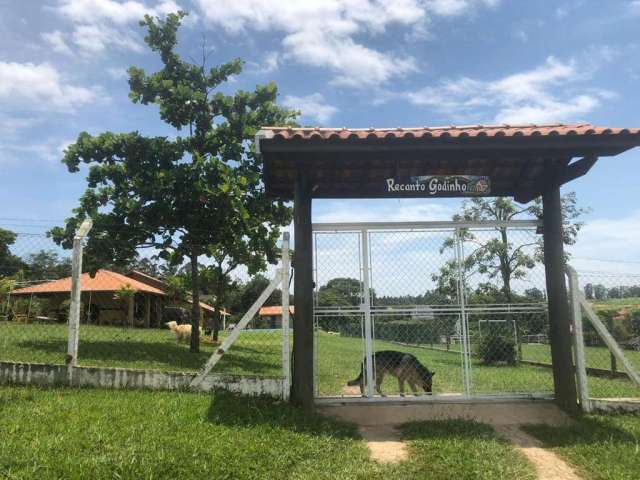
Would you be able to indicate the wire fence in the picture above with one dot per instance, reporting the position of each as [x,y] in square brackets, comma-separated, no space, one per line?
[615,298]
[131,316]
[451,311]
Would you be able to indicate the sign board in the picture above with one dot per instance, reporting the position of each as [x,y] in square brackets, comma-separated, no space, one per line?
[439,186]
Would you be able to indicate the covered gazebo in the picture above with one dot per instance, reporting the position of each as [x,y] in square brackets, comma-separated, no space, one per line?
[519,161]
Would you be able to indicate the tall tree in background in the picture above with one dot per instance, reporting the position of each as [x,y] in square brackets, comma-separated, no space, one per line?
[198,194]
[47,265]
[501,256]
[10,264]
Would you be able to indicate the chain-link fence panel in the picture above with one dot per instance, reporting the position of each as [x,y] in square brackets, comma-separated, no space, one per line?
[452,310]
[33,318]
[339,322]
[133,316]
[615,299]
[504,359]
[418,352]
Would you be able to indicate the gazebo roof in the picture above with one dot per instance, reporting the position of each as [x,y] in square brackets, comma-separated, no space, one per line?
[343,162]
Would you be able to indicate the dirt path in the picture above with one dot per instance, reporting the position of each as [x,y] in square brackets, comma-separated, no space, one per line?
[547,464]
[385,443]
[377,424]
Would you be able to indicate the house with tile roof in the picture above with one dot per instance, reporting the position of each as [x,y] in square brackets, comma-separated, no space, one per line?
[105,300]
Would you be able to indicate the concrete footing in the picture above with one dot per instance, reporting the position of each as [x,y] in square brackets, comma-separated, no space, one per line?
[117,378]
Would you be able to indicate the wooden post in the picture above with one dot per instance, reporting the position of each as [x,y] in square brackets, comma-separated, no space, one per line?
[284,289]
[130,309]
[559,316]
[302,384]
[159,312]
[614,364]
[147,310]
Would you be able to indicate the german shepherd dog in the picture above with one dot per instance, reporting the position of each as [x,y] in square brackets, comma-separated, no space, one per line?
[404,366]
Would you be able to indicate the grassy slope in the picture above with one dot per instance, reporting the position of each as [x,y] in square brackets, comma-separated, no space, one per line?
[601,446]
[98,434]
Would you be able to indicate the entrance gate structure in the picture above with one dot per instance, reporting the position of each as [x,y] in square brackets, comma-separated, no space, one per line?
[415,288]
[520,161]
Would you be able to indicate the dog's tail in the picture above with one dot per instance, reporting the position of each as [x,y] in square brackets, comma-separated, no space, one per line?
[356,381]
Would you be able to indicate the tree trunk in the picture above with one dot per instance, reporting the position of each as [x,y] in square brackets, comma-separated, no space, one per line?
[216,308]
[195,305]
[506,281]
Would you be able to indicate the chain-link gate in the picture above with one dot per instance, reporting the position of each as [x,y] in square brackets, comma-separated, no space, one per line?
[447,309]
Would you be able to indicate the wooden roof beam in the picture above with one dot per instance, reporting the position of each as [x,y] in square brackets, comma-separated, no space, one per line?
[565,175]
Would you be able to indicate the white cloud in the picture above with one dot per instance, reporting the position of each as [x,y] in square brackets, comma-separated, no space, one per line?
[312,106]
[540,95]
[102,24]
[328,33]
[271,62]
[41,87]
[95,39]
[56,41]
[561,12]
[50,150]
[117,73]
[11,125]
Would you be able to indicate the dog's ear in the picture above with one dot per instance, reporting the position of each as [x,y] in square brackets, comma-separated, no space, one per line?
[433,373]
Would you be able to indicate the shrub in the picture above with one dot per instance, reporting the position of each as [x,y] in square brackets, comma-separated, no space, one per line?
[495,348]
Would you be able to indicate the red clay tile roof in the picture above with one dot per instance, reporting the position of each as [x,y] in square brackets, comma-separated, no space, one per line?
[526,130]
[274,310]
[104,281]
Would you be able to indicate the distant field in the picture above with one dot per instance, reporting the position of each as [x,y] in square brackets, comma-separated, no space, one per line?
[259,353]
[622,302]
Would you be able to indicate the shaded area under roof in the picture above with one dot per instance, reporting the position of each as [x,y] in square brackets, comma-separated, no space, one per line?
[344,163]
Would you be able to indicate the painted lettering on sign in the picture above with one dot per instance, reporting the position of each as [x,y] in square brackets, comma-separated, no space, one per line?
[453,185]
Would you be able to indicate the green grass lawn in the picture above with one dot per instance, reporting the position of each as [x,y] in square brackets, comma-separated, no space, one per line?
[596,357]
[254,353]
[340,359]
[100,434]
[259,353]
[602,447]
[617,302]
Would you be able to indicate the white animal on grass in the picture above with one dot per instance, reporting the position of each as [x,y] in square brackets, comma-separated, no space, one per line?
[183,332]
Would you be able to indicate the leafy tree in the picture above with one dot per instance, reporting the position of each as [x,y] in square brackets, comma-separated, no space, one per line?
[614,292]
[340,292]
[499,256]
[198,194]
[600,292]
[534,294]
[250,292]
[10,264]
[588,291]
[47,264]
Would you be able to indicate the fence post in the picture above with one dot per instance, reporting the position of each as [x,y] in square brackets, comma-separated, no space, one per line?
[286,359]
[614,363]
[578,341]
[74,309]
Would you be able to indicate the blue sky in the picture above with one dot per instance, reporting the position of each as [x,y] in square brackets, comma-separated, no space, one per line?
[356,63]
